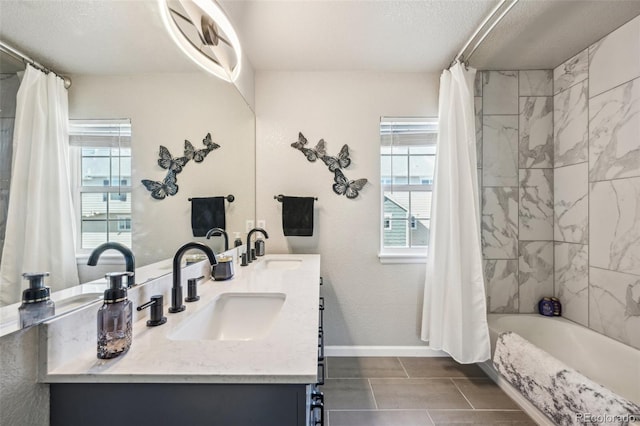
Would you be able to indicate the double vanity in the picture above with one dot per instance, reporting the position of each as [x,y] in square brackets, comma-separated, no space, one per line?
[244,354]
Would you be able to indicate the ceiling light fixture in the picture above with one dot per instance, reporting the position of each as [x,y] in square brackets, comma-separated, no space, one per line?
[204,33]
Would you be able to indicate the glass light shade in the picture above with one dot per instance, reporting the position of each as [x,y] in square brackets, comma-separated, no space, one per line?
[222,68]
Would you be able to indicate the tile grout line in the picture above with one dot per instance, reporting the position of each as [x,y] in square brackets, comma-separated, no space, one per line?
[476,410]
[430,418]
[372,410]
[463,395]
[403,368]
[373,394]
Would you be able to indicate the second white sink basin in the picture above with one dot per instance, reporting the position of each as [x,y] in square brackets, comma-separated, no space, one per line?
[233,316]
[77,300]
[282,264]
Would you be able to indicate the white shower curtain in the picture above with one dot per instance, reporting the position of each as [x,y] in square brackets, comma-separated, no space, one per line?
[454,312]
[40,235]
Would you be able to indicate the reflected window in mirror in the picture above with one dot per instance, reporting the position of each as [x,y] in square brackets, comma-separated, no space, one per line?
[407,160]
[101,181]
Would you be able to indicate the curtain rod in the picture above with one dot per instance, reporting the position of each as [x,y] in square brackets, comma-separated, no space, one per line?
[461,55]
[13,52]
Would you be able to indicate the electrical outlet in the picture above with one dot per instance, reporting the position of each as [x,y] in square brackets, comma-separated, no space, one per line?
[262,224]
[249,225]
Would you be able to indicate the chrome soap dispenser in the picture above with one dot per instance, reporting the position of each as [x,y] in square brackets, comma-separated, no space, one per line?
[36,302]
[114,318]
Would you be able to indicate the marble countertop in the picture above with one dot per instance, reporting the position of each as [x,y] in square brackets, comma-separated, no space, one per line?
[287,354]
[72,298]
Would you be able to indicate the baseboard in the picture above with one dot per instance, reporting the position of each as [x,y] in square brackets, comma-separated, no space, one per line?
[526,405]
[422,351]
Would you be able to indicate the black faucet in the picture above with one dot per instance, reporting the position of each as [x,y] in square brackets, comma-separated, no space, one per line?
[129,258]
[216,232]
[251,258]
[176,290]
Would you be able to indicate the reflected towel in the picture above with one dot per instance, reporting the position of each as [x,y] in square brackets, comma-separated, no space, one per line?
[207,213]
[297,216]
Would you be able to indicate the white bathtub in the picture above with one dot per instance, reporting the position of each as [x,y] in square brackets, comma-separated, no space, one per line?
[602,359]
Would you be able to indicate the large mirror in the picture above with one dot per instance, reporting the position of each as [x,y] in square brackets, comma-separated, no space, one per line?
[123,65]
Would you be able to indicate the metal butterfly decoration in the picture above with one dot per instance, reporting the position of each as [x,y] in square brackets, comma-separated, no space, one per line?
[301,142]
[342,185]
[198,155]
[174,165]
[312,154]
[160,190]
[342,161]
[167,162]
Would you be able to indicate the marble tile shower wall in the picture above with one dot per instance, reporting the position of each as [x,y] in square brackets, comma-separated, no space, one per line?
[8,88]
[514,121]
[597,185]
[559,168]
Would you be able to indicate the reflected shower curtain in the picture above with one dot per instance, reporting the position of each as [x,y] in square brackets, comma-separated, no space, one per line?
[40,233]
[454,315]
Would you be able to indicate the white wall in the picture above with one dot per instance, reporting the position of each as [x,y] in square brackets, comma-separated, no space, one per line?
[246,82]
[166,109]
[368,303]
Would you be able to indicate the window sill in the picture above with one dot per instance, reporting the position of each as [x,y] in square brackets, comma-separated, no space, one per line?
[402,257]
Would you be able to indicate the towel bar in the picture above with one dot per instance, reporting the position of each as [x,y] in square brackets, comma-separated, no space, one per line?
[280,197]
[230,198]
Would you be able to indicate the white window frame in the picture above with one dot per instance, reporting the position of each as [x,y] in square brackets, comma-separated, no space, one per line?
[111,133]
[404,254]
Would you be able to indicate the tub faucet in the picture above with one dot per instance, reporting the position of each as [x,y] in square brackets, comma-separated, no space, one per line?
[216,232]
[176,290]
[263,232]
[129,258]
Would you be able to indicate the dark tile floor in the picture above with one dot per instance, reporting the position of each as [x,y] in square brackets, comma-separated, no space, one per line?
[390,391]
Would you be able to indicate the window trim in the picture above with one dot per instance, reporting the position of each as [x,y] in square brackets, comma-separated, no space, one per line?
[389,255]
[103,137]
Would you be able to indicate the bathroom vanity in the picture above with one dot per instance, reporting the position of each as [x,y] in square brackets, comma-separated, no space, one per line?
[244,354]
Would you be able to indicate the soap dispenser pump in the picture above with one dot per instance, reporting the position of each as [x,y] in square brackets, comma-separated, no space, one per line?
[36,302]
[114,318]
[238,241]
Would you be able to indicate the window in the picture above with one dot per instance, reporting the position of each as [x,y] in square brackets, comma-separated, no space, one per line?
[407,162]
[387,221]
[101,181]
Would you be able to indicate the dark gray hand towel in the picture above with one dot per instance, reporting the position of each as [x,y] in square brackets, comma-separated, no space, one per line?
[207,213]
[297,216]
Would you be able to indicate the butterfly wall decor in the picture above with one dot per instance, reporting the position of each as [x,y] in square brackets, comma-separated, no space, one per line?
[342,161]
[312,154]
[160,190]
[167,162]
[198,155]
[174,165]
[342,186]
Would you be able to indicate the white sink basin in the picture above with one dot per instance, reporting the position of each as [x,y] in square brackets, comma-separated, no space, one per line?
[282,264]
[78,296]
[233,316]
[73,302]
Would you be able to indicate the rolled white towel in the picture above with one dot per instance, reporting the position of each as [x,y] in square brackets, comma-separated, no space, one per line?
[563,394]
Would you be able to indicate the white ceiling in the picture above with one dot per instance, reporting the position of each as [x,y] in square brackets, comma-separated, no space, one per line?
[92,36]
[542,34]
[355,35]
[124,37]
